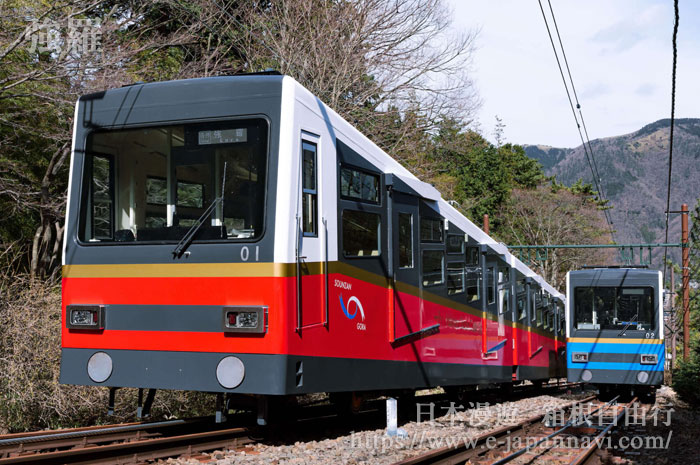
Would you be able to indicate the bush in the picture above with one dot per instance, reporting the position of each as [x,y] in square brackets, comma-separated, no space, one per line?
[686,377]
[31,397]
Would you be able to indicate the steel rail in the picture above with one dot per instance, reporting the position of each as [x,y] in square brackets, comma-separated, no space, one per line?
[138,451]
[64,430]
[125,443]
[91,432]
[597,441]
[566,426]
[452,455]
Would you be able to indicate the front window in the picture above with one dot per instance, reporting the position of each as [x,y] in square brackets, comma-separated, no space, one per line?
[614,308]
[154,183]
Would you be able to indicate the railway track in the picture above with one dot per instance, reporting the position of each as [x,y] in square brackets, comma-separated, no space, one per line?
[143,441]
[120,444]
[577,441]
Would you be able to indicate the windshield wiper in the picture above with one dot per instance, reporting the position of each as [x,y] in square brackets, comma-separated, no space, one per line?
[634,318]
[187,238]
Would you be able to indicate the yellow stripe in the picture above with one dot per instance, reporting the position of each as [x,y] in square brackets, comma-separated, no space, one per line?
[264,270]
[180,270]
[615,340]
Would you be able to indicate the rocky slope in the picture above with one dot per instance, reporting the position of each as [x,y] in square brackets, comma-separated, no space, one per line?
[634,173]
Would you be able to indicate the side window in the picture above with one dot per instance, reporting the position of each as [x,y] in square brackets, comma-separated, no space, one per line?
[309,189]
[433,263]
[455,278]
[473,284]
[455,244]
[504,302]
[535,304]
[562,322]
[405,240]
[472,256]
[156,202]
[503,274]
[190,194]
[359,185]
[540,316]
[101,198]
[430,230]
[360,233]
[520,300]
[491,284]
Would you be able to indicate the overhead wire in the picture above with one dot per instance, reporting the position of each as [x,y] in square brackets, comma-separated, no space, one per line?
[673,117]
[596,179]
[596,174]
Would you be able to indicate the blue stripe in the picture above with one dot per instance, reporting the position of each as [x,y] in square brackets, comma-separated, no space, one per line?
[613,348]
[608,348]
[615,366]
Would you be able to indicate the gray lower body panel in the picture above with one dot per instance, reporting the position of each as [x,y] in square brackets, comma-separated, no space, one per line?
[272,374]
[655,378]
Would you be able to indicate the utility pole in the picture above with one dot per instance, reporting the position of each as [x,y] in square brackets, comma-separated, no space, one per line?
[686,280]
[674,320]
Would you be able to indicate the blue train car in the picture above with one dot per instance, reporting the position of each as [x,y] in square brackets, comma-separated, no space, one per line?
[615,337]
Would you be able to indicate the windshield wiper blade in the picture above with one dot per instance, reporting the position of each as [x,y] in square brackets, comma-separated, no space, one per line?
[187,238]
[634,318]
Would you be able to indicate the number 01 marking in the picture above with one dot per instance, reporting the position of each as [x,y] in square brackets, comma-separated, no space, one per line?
[245,253]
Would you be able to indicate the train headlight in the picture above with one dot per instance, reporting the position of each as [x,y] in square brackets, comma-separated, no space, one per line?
[85,316]
[99,367]
[649,359]
[245,319]
[230,372]
[642,376]
[579,357]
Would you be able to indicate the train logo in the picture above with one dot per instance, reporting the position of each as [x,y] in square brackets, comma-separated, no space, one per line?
[358,306]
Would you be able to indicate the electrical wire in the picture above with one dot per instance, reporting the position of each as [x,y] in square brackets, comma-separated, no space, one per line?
[596,174]
[596,178]
[673,116]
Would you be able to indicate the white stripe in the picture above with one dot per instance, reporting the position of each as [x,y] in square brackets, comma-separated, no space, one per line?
[70,181]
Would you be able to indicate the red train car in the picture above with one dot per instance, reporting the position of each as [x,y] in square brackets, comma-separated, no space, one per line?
[235,235]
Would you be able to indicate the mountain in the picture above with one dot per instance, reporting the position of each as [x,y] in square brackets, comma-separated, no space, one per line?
[634,176]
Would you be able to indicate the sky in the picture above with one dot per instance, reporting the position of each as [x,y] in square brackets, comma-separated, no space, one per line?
[620,56]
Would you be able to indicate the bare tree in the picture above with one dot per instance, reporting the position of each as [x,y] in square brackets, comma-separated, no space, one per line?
[45,66]
[540,216]
[379,54]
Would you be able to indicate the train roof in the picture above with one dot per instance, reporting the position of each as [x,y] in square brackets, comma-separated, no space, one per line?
[363,145]
[614,277]
[201,90]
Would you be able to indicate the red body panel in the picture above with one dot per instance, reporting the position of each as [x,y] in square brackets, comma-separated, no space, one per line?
[364,336]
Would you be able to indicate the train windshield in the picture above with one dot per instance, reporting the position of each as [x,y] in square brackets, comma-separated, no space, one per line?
[154,183]
[614,308]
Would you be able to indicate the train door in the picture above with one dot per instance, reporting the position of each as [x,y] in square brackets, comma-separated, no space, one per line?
[490,342]
[405,260]
[520,329]
[312,239]
[504,309]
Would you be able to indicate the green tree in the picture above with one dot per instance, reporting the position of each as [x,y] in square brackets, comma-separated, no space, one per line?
[483,174]
[686,377]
